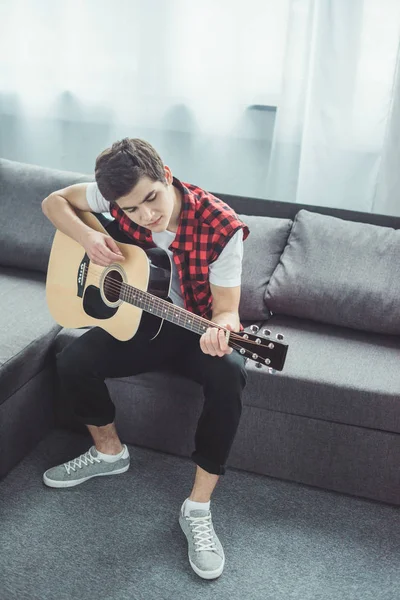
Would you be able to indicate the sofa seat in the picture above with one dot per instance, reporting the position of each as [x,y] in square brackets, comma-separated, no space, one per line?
[332,373]
[26,361]
[27,332]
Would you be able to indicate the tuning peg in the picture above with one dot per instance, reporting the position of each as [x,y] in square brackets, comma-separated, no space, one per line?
[271,370]
[258,365]
[266,332]
[254,328]
[279,336]
[267,361]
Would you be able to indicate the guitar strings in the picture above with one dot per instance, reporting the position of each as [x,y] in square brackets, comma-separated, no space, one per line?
[116,286]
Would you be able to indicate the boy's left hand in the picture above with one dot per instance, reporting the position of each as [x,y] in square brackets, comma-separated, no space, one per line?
[213,341]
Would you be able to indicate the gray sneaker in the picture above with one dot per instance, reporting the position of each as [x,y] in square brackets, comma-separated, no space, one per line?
[206,555]
[85,467]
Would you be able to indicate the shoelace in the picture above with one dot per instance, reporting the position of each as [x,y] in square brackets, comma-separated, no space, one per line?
[203,537]
[82,459]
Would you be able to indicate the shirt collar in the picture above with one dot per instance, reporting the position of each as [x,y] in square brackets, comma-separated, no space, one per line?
[184,235]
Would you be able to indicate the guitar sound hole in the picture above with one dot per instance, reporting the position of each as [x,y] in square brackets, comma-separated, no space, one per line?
[112,286]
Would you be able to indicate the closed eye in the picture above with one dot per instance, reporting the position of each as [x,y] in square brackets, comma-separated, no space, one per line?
[132,210]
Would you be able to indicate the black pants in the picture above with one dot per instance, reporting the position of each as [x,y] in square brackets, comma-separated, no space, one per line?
[85,364]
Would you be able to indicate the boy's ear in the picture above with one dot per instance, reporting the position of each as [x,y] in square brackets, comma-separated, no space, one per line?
[168,175]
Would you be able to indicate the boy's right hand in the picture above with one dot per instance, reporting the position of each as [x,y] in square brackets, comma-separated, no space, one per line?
[101,248]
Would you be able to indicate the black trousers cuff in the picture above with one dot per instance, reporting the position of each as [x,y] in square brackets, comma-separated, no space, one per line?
[96,421]
[208,465]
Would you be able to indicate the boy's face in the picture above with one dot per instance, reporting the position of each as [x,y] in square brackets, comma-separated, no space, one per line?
[151,204]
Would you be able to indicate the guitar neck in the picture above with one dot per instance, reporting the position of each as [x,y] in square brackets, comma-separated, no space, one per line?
[163,309]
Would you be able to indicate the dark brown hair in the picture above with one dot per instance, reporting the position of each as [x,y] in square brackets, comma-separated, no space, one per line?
[119,168]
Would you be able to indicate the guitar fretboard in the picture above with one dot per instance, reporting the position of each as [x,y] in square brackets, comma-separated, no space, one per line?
[163,309]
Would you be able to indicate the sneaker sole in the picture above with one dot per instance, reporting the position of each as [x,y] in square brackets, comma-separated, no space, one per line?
[65,484]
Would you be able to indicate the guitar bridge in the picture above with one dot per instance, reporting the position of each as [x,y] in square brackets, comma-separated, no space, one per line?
[82,275]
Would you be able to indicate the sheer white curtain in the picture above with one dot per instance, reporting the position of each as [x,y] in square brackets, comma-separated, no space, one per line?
[387,194]
[190,76]
[338,118]
[77,75]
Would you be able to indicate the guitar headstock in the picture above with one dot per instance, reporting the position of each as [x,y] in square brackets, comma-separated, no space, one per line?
[263,349]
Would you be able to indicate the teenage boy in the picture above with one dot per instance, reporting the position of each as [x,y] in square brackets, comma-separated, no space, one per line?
[204,238]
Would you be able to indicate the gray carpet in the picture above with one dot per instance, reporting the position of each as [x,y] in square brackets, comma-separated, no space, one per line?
[118,538]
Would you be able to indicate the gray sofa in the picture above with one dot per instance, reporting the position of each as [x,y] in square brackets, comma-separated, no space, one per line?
[326,279]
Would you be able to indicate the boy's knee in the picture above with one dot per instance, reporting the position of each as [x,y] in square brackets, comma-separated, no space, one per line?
[229,371]
[68,364]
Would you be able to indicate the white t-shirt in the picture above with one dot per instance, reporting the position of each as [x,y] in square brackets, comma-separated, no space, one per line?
[226,271]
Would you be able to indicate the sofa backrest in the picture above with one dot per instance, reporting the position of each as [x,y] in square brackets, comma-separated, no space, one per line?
[339,272]
[261,254]
[317,267]
[288,210]
[26,234]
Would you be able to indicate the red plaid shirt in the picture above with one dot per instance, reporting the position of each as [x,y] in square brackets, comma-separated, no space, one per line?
[206,225]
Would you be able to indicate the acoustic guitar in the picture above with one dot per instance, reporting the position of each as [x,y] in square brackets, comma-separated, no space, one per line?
[133,294]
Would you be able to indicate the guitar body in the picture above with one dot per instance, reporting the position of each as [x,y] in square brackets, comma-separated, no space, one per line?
[76,289]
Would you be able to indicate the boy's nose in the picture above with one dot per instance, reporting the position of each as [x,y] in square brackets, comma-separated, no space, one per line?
[147,217]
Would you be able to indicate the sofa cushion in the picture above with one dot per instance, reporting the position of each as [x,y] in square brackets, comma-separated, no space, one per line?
[27,329]
[27,239]
[339,272]
[331,373]
[262,250]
